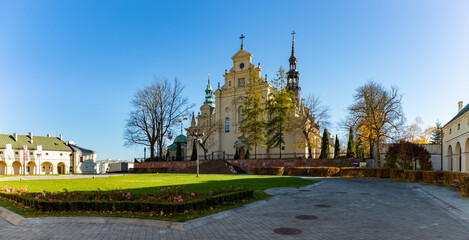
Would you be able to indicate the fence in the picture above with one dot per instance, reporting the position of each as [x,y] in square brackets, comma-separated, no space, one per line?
[223,156]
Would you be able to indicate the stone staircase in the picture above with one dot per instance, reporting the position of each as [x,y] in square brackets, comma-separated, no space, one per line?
[214,167]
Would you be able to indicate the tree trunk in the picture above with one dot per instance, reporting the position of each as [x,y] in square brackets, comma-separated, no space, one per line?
[378,158]
[152,150]
[255,151]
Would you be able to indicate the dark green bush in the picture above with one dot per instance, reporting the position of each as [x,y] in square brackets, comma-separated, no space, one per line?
[55,206]
[382,173]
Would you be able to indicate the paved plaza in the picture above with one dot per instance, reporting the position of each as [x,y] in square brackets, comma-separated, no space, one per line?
[332,209]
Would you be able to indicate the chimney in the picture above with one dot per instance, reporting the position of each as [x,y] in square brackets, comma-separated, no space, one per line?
[15,136]
[460,106]
[60,137]
[31,136]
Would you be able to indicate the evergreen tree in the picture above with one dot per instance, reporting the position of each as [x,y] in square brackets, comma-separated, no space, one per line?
[336,147]
[280,106]
[236,156]
[194,151]
[178,152]
[325,152]
[252,125]
[247,155]
[436,137]
[350,145]
[360,150]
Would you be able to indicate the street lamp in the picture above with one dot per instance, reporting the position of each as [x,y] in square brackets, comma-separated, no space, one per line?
[196,136]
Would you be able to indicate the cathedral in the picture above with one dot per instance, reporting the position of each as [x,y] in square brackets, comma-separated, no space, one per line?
[220,115]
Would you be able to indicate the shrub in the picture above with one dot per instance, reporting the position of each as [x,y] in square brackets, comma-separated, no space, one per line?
[314,171]
[396,173]
[370,172]
[139,206]
[267,170]
[353,172]
[382,173]
[413,175]
[464,185]
[433,177]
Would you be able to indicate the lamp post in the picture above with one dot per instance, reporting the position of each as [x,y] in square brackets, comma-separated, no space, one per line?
[196,136]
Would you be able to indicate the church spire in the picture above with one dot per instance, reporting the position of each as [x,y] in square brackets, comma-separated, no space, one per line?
[209,94]
[293,76]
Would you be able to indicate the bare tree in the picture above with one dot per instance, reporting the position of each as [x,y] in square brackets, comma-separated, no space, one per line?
[377,112]
[208,128]
[312,117]
[157,108]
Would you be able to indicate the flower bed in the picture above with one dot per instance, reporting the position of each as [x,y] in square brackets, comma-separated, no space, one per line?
[314,171]
[165,200]
[267,170]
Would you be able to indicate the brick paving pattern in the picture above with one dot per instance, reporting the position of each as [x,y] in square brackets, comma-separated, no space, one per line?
[359,209]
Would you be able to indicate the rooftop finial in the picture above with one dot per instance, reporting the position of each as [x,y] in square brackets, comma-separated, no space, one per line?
[242,40]
[293,43]
[209,78]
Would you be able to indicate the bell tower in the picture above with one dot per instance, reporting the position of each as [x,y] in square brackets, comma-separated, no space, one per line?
[293,76]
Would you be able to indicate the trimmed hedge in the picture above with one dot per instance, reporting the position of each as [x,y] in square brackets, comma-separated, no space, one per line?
[314,171]
[396,173]
[382,173]
[434,177]
[128,205]
[413,175]
[352,172]
[148,170]
[267,170]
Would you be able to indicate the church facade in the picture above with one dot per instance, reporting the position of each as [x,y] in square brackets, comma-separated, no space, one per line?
[220,115]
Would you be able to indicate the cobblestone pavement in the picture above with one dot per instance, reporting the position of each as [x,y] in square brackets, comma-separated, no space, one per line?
[345,209]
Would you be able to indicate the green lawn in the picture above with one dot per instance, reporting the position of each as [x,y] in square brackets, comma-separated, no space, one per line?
[146,183]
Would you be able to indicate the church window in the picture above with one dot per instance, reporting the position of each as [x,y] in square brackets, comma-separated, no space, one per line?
[227,124]
[459,126]
[450,131]
[229,83]
[241,82]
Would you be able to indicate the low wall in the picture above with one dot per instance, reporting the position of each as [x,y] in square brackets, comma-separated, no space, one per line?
[247,164]
[171,166]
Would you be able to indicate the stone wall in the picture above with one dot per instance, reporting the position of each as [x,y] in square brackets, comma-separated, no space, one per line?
[247,164]
[171,166]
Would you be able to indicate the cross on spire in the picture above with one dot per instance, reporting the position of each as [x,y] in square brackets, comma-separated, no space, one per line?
[242,39]
[293,43]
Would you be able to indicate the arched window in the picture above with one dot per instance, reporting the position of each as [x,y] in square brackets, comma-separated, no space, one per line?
[227,124]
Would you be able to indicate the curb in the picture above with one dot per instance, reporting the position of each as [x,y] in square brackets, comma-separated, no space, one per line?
[451,210]
[10,216]
[16,219]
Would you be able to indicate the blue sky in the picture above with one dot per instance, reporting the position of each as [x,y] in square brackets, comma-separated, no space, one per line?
[72,67]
